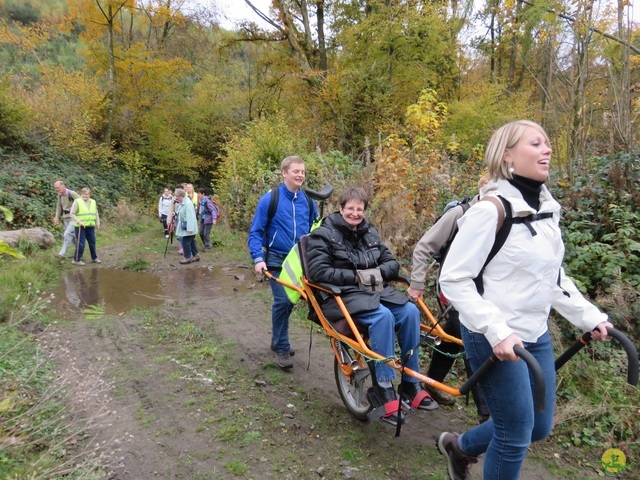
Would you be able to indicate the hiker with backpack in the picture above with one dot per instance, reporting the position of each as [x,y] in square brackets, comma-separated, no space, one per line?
[209,214]
[165,206]
[506,302]
[64,202]
[346,251]
[282,216]
[434,245]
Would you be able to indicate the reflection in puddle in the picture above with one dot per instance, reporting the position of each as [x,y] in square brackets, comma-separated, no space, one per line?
[114,291]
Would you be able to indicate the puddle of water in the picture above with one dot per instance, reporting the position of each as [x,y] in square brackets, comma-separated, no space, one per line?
[96,290]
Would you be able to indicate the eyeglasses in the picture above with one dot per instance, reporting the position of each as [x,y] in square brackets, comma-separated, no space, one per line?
[354,210]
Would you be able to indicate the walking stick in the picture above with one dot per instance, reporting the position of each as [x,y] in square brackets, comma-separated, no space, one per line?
[75,254]
[170,239]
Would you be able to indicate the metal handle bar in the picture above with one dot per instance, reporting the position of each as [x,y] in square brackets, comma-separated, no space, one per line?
[632,353]
[323,194]
[534,368]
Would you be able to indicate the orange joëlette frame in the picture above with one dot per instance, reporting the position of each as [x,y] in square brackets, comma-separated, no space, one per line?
[358,343]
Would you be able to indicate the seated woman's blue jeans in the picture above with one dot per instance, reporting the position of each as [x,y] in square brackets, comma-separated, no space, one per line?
[508,391]
[383,322]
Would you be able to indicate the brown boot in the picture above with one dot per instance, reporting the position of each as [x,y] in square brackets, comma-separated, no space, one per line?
[458,462]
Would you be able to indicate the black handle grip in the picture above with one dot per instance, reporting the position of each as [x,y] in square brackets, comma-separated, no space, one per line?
[632,353]
[323,194]
[539,390]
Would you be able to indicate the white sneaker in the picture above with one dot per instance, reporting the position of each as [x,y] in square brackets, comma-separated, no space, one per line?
[96,260]
[79,263]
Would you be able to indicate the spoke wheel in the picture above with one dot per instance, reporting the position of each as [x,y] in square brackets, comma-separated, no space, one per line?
[354,385]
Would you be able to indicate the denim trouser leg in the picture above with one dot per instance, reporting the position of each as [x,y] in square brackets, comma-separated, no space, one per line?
[69,236]
[280,313]
[383,323]
[81,239]
[90,235]
[508,392]
[194,247]
[188,243]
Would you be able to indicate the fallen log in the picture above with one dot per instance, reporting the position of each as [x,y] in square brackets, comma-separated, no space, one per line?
[37,235]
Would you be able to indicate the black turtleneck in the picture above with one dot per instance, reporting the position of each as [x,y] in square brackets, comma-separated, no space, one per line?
[530,190]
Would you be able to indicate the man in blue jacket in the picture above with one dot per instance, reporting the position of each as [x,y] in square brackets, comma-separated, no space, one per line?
[270,239]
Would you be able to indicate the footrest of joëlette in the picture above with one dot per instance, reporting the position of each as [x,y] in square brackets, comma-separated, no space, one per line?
[389,412]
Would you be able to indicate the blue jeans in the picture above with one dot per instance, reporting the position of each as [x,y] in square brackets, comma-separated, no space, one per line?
[514,424]
[383,322]
[87,234]
[280,313]
[189,246]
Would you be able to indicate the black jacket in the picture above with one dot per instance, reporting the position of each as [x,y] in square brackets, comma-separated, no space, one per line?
[335,251]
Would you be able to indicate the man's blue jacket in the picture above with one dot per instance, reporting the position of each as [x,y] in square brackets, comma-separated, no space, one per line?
[291,220]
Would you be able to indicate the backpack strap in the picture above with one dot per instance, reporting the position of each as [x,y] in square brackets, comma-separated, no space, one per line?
[273,206]
[505,221]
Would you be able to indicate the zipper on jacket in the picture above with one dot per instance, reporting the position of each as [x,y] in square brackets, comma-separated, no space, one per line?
[295,226]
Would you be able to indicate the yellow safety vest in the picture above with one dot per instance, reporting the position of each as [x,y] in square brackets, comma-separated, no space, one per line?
[86,215]
[292,269]
[292,273]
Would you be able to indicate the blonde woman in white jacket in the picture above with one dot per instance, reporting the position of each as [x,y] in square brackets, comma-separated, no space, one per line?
[520,284]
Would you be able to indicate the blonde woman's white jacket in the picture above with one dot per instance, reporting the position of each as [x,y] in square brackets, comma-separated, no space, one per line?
[523,281]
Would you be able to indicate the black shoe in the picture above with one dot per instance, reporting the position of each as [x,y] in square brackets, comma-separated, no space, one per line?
[387,394]
[292,352]
[385,405]
[413,394]
[458,462]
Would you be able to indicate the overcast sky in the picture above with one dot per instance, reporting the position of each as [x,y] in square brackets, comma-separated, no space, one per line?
[235,10]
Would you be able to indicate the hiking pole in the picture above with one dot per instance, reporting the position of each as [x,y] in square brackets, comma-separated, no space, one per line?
[166,247]
[170,239]
[75,254]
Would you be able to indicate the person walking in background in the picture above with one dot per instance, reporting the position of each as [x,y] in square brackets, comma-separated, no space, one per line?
[208,217]
[192,194]
[165,205]
[271,239]
[84,213]
[186,227]
[63,208]
[174,214]
[342,245]
[440,234]
[510,303]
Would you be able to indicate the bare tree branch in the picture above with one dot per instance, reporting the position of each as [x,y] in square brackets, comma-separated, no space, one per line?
[593,29]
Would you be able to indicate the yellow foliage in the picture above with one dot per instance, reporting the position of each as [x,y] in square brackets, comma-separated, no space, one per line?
[67,105]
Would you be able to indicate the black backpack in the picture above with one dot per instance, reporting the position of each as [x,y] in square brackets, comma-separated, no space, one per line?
[504,228]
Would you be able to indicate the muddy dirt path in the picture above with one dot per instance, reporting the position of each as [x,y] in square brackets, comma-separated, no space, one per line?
[194,391]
